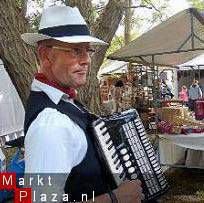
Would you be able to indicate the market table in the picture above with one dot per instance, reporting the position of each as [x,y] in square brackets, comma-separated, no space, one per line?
[182,150]
[199,109]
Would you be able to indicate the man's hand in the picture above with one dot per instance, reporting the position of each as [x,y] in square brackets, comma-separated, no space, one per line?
[129,192]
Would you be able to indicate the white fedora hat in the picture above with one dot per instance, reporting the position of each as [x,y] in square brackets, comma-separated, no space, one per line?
[62,23]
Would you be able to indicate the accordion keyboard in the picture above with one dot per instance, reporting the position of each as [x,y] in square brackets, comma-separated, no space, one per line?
[110,153]
[128,152]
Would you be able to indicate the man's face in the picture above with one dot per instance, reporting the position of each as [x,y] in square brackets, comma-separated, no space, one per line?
[69,63]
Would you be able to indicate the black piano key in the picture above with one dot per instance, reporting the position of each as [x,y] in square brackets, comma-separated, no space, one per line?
[116,160]
[118,165]
[109,147]
[109,140]
[114,154]
[122,174]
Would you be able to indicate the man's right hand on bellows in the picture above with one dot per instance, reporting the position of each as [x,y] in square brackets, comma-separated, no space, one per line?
[129,192]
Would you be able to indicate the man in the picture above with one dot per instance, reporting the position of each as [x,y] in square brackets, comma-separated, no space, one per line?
[57,139]
[195,93]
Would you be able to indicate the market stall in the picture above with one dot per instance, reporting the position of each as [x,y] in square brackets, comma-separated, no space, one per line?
[175,41]
[136,84]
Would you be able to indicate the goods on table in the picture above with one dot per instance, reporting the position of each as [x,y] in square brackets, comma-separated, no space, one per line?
[177,120]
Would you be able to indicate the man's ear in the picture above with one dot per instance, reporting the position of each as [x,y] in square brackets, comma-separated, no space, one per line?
[44,56]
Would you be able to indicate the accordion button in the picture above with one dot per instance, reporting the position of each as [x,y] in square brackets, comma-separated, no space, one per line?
[133,176]
[126,157]
[123,151]
[131,170]
[128,164]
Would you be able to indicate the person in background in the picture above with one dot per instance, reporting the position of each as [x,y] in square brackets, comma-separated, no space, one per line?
[166,93]
[183,94]
[117,95]
[194,94]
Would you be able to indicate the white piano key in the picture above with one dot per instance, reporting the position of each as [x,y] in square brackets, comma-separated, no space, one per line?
[106,136]
[120,169]
[100,127]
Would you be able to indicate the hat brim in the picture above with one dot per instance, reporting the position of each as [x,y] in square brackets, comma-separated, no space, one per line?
[33,38]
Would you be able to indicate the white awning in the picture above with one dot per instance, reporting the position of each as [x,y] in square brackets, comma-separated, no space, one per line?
[11,108]
[173,42]
[194,64]
[113,67]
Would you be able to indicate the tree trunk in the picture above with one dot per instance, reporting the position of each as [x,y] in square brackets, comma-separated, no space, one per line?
[104,28]
[18,59]
[128,22]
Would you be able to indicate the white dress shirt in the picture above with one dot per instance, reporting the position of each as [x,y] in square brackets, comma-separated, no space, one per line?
[53,143]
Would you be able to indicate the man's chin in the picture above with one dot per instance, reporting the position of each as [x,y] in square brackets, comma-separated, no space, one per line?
[81,84]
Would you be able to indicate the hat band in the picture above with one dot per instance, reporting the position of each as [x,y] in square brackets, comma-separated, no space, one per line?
[65,30]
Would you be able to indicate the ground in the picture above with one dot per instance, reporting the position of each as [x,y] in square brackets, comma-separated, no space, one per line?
[186,185]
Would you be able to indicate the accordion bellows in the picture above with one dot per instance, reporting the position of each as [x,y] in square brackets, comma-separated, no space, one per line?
[128,154]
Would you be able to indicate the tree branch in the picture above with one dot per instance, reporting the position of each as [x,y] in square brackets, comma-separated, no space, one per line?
[155,8]
[139,6]
[108,20]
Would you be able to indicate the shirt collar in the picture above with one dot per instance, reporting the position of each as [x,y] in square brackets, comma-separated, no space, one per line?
[53,93]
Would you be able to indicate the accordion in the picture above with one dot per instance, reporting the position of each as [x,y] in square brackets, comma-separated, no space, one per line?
[127,153]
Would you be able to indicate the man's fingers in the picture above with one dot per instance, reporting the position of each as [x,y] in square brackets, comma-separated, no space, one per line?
[142,196]
[136,182]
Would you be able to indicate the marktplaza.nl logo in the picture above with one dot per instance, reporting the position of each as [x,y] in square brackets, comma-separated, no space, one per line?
[38,188]
[8,182]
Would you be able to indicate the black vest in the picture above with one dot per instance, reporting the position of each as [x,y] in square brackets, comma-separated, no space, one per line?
[87,176]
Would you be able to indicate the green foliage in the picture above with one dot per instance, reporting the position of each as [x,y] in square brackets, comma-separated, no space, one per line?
[159,10]
[197,4]
[117,43]
[20,3]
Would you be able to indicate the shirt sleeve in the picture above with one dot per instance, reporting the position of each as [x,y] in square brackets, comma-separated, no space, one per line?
[53,144]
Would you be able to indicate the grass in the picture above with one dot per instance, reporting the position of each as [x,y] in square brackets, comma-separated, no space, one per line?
[186,185]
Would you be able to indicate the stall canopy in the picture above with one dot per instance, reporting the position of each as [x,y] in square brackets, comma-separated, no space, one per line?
[11,108]
[173,42]
[113,67]
[194,64]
